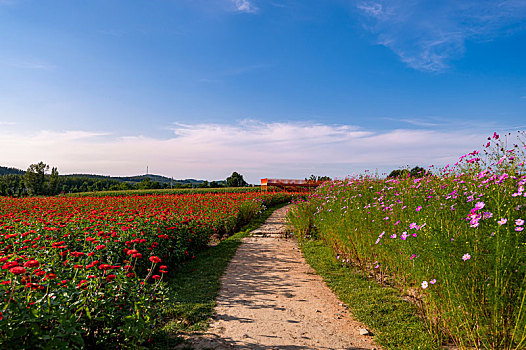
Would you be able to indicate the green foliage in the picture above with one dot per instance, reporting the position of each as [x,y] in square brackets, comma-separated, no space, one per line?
[10,171]
[394,321]
[318,178]
[403,173]
[235,180]
[453,241]
[192,291]
[12,185]
[34,178]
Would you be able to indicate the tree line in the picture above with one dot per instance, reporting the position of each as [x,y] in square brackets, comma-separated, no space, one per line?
[39,181]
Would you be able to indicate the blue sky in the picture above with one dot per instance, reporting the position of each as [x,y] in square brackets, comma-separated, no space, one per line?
[268,88]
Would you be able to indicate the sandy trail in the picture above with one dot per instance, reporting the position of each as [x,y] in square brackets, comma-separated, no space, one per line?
[271,299]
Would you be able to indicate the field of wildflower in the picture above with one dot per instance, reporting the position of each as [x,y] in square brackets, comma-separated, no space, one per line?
[88,272]
[453,240]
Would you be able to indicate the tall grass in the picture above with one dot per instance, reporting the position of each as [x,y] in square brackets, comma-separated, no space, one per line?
[453,240]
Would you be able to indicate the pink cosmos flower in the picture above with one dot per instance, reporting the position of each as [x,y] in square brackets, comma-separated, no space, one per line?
[479,205]
[519,228]
[433,281]
[419,208]
[424,284]
[502,221]
[466,257]
[519,222]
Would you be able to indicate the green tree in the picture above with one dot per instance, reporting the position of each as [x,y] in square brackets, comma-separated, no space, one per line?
[203,184]
[418,172]
[318,178]
[54,182]
[235,180]
[216,184]
[11,185]
[35,178]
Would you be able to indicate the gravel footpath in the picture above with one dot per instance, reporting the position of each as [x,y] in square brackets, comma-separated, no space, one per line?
[271,299]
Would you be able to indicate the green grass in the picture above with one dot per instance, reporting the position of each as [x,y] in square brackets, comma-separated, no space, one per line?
[193,289]
[394,321]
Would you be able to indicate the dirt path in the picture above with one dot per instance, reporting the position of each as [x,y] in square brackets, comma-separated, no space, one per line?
[271,299]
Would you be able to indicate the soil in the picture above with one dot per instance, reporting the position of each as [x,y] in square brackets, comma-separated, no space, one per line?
[271,299]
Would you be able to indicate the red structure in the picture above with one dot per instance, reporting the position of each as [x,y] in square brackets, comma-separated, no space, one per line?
[289,184]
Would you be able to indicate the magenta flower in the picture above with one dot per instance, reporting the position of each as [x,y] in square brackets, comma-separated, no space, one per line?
[519,222]
[419,208]
[479,205]
[487,215]
[433,281]
[502,221]
[519,228]
[466,257]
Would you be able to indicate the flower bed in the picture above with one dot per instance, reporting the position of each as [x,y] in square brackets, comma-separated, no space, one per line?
[454,240]
[81,272]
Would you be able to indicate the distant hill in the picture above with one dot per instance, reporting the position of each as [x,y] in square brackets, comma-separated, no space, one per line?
[128,179]
[138,178]
[9,171]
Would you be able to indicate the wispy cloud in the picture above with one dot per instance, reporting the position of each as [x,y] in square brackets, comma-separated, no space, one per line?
[254,148]
[428,35]
[7,123]
[29,64]
[246,6]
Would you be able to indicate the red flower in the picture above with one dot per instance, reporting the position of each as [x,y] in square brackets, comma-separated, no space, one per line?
[17,270]
[81,283]
[130,275]
[156,277]
[110,277]
[101,246]
[31,263]
[155,259]
[163,267]
[50,276]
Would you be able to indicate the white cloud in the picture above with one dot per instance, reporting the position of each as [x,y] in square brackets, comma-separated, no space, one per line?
[245,6]
[29,64]
[427,35]
[253,148]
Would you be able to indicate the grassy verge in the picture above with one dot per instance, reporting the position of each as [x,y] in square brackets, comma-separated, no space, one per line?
[394,321]
[194,287]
